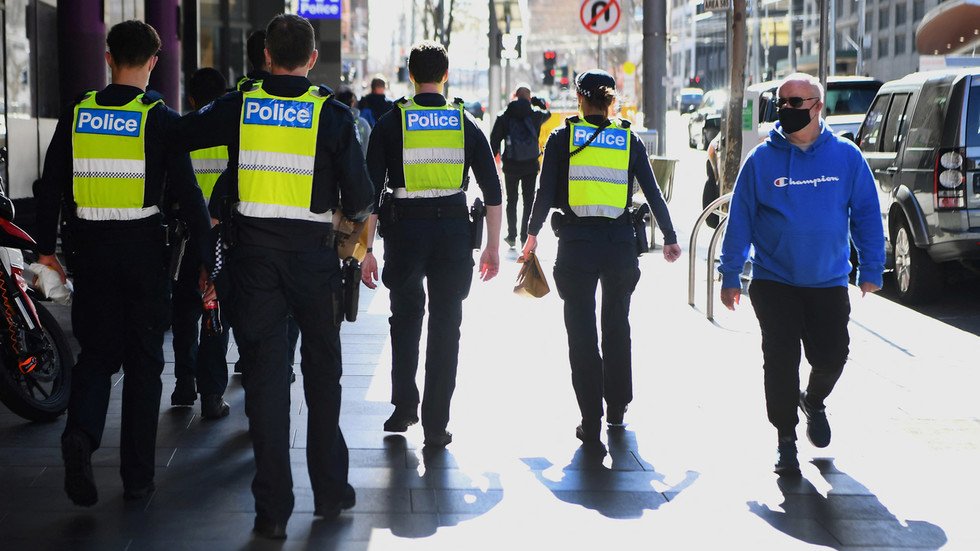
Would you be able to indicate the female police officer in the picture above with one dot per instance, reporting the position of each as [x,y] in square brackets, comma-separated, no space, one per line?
[588,170]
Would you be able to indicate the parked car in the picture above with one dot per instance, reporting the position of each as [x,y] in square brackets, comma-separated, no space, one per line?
[922,140]
[705,123]
[688,99]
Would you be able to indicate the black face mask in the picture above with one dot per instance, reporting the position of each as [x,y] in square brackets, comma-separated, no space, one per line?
[793,120]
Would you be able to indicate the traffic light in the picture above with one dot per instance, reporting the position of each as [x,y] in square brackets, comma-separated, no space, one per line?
[550,59]
[563,81]
[694,82]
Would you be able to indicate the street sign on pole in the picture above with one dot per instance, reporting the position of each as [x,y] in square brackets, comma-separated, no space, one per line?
[600,16]
[717,5]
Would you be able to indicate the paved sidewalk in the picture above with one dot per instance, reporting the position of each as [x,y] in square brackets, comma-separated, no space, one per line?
[692,470]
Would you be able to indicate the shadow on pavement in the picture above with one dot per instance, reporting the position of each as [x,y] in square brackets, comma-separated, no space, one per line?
[623,489]
[848,516]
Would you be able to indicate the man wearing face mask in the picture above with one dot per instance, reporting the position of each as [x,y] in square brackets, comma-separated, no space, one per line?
[800,199]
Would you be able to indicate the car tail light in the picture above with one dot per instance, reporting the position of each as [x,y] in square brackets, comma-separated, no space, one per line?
[950,181]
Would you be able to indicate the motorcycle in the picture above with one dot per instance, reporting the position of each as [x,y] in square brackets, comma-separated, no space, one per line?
[36,358]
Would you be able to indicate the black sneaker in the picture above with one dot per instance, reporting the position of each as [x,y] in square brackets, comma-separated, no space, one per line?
[817,427]
[402,418]
[213,406]
[185,393]
[269,529]
[511,241]
[76,451]
[438,438]
[331,509]
[786,462]
[615,413]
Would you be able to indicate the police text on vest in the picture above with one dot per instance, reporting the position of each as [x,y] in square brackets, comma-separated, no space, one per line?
[610,138]
[278,112]
[445,119]
[110,122]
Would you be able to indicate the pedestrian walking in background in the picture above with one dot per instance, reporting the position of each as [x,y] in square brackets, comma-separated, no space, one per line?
[375,104]
[346,96]
[519,128]
[422,152]
[110,161]
[293,154]
[801,198]
[589,168]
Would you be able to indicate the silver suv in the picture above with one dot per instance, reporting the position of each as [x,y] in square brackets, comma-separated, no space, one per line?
[922,139]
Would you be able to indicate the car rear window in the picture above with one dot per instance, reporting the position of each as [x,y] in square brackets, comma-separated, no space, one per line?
[929,117]
[973,115]
[850,98]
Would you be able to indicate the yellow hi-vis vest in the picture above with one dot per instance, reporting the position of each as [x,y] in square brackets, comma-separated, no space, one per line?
[433,150]
[598,175]
[276,152]
[109,160]
[209,163]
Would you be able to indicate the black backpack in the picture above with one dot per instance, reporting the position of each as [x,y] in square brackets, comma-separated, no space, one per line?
[522,140]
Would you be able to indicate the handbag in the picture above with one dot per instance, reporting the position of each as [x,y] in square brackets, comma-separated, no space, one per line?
[531,281]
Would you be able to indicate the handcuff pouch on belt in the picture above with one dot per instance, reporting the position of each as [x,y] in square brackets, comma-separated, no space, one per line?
[347,232]
[477,213]
[386,213]
[640,218]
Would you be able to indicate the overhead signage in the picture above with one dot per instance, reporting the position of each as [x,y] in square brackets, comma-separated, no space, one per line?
[600,16]
[318,9]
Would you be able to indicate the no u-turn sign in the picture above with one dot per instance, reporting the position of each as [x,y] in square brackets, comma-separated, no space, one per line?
[600,16]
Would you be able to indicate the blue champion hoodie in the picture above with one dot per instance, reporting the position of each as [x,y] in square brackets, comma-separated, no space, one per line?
[799,209]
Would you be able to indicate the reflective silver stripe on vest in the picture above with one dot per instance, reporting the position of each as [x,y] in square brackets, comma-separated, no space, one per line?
[102,214]
[598,210]
[598,174]
[433,155]
[286,163]
[402,193]
[209,166]
[263,210]
[108,168]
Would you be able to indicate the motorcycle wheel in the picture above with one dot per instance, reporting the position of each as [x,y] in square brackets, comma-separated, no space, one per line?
[42,394]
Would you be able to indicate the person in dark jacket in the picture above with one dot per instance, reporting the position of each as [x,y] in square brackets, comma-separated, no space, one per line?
[373,106]
[105,172]
[518,127]
[255,49]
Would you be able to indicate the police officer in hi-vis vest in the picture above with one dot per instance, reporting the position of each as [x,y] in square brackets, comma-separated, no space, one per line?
[200,368]
[295,160]
[589,168]
[422,152]
[108,163]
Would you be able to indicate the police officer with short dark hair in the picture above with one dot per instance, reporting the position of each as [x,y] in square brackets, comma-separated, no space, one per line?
[588,172]
[293,152]
[255,51]
[108,163]
[422,151]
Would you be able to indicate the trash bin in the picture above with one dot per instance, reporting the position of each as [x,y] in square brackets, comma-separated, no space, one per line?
[663,170]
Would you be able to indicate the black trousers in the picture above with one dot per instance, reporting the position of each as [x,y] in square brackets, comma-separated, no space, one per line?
[526,184]
[120,312]
[788,315]
[437,251]
[268,285]
[606,258]
[198,355]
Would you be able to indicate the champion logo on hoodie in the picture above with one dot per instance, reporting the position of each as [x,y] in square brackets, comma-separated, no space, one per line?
[784,181]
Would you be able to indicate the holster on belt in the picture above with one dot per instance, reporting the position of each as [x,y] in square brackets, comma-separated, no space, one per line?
[557,219]
[641,220]
[351,283]
[386,213]
[477,213]
[177,238]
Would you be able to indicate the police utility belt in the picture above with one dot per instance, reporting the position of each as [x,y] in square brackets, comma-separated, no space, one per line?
[638,217]
[392,211]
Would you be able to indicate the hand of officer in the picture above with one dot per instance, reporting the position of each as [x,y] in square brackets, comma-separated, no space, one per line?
[51,261]
[529,246]
[672,252]
[729,297]
[369,271]
[868,287]
[489,263]
[206,286]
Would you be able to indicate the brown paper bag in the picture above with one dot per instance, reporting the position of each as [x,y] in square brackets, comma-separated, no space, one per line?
[348,236]
[531,281]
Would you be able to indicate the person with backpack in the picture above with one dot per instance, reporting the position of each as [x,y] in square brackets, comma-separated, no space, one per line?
[518,127]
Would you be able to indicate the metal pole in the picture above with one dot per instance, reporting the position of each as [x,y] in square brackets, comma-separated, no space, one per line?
[831,37]
[598,54]
[822,43]
[862,37]
[655,68]
[694,41]
[791,16]
[414,2]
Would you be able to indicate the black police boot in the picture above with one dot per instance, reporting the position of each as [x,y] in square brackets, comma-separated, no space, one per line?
[269,529]
[402,418]
[438,438]
[76,451]
[330,509]
[213,406]
[588,432]
[615,413]
[817,427]
[787,463]
[185,393]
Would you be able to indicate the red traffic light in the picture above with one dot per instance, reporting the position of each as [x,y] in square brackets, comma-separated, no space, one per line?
[564,81]
[550,54]
[551,72]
